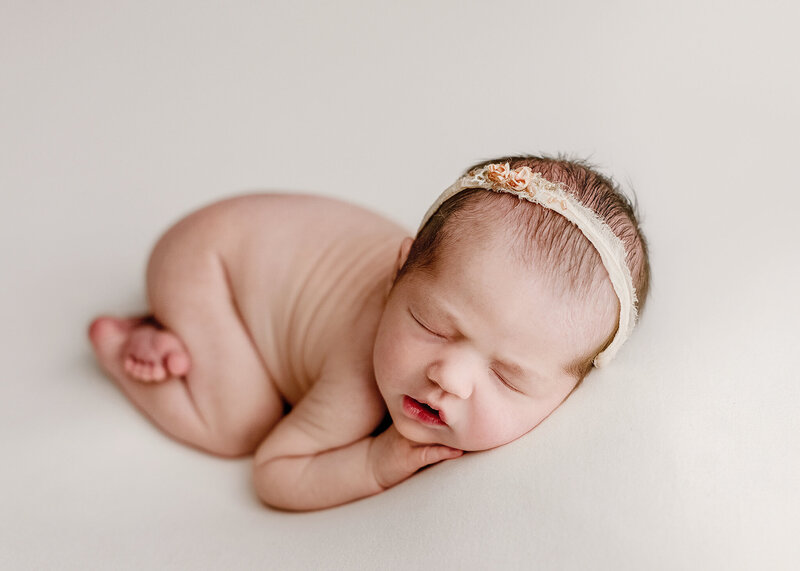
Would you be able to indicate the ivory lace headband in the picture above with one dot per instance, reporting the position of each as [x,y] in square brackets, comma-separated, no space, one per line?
[533,187]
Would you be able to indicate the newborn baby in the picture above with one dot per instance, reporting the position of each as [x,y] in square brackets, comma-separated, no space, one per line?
[291,325]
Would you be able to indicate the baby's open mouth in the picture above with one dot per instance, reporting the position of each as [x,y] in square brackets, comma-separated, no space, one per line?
[421,411]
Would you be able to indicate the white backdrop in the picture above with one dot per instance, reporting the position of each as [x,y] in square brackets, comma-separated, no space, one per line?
[116,118]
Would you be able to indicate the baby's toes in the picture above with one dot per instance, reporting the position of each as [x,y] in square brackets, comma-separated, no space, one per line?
[130,365]
[139,370]
[142,370]
[156,372]
[177,364]
[149,371]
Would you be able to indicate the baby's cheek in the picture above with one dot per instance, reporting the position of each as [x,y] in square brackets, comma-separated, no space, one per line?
[386,359]
[483,431]
[497,426]
[395,346]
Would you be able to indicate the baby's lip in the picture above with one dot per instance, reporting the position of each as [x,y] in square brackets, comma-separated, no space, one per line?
[437,408]
[433,406]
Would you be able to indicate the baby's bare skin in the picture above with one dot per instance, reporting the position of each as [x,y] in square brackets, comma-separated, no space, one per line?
[264,300]
[308,276]
[267,292]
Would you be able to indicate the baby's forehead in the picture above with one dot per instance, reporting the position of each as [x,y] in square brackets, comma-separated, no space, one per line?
[496,220]
[492,231]
[505,253]
[530,236]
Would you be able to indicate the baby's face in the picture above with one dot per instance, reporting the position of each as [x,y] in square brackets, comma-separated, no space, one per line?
[476,353]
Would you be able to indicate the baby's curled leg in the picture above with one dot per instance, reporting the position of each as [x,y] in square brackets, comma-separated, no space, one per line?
[226,403]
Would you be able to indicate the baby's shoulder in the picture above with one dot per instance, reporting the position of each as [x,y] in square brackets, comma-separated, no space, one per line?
[293,224]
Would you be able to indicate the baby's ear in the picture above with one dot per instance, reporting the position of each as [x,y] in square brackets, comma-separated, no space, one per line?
[402,255]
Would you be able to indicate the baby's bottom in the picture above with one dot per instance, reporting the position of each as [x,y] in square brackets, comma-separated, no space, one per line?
[225,403]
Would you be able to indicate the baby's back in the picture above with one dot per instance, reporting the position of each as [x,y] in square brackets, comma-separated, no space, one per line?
[308,276]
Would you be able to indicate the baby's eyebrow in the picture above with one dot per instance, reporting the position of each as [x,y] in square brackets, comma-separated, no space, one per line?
[525,377]
[512,367]
[437,307]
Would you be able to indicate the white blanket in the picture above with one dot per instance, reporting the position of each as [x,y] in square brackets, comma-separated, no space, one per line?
[118,118]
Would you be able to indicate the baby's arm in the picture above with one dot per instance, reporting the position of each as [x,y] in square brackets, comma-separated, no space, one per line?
[321,455]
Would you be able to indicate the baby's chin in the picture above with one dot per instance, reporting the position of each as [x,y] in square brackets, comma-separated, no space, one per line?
[417,434]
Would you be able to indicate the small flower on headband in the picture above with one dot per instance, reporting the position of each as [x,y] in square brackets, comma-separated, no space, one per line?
[517,179]
[497,172]
[520,178]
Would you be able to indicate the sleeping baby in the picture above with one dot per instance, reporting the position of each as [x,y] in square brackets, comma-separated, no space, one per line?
[348,355]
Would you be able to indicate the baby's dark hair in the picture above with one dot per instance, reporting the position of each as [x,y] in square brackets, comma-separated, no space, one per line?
[566,251]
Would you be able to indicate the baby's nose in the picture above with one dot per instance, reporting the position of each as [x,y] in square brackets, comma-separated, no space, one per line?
[454,375]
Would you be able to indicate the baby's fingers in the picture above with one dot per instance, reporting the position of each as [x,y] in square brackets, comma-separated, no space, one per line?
[394,458]
[432,454]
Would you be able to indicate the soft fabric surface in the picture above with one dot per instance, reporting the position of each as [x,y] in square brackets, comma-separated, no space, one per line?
[116,118]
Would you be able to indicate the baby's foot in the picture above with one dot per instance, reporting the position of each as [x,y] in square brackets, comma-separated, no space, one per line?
[153,354]
[139,349]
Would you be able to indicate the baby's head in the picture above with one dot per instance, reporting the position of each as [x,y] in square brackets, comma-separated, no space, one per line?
[502,304]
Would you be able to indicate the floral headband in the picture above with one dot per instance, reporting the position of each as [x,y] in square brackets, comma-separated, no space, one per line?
[533,187]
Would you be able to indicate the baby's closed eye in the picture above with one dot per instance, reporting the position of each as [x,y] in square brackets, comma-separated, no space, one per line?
[504,380]
[424,326]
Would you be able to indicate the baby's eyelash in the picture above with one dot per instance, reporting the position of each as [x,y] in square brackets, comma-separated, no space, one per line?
[425,327]
[505,382]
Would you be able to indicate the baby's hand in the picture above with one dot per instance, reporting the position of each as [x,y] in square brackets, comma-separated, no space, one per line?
[393,457]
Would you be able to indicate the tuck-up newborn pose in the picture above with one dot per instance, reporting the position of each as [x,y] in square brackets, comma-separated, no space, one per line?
[524,273]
